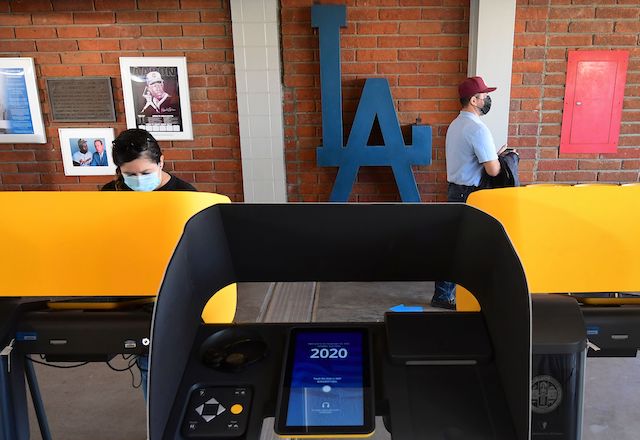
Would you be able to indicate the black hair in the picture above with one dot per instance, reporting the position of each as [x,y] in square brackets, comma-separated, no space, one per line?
[133,144]
[465,101]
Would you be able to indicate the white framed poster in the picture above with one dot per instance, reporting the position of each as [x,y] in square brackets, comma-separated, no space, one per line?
[156,96]
[87,151]
[20,116]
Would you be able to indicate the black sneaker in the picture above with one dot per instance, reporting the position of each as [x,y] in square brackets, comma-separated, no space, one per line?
[444,304]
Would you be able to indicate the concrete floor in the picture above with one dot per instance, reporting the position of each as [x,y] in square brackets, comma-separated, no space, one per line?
[95,402]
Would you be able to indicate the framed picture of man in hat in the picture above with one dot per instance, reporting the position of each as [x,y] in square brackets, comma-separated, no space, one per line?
[87,151]
[156,96]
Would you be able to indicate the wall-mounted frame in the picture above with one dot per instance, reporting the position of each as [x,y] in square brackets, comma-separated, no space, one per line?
[156,96]
[20,116]
[87,151]
[81,99]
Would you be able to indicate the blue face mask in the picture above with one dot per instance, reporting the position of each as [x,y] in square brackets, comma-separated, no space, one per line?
[145,182]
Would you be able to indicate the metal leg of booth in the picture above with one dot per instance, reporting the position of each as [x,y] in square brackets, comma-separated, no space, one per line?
[38,406]
[7,423]
[15,418]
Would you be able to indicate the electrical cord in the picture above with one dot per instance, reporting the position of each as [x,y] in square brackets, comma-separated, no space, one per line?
[53,365]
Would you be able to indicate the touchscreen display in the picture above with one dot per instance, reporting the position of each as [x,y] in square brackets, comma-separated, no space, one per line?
[326,379]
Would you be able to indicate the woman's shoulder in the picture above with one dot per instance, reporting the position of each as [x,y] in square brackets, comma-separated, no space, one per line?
[177,184]
[111,186]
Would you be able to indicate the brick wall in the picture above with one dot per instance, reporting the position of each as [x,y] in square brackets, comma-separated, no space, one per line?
[545,32]
[421,48]
[86,38]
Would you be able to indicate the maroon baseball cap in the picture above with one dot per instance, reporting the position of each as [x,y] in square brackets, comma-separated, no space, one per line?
[472,86]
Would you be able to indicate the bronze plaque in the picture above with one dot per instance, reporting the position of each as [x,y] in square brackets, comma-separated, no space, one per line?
[81,99]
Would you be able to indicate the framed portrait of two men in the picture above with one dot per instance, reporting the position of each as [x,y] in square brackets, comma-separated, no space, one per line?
[156,96]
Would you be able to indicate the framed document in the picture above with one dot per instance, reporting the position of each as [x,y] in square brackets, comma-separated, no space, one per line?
[20,116]
[156,96]
[81,99]
[87,151]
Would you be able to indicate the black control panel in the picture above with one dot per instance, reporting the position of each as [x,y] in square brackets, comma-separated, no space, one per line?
[217,412]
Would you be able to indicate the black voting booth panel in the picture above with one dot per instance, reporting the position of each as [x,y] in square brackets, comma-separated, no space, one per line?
[422,389]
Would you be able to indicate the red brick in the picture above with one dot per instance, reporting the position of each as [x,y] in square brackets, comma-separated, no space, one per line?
[193,165]
[618,176]
[377,28]
[18,46]
[31,6]
[599,164]
[53,18]
[627,26]
[37,167]
[616,40]
[223,15]
[58,178]
[35,32]
[162,30]
[94,17]
[78,32]
[114,5]
[570,40]
[179,17]
[618,12]
[141,44]
[57,45]
[400,14]
[595,26]
[200,4]
[182,43]
[100,44]
[137,17]
[575,176]
[81,58]
[560,164]
[158,4]
[418,28]
[204,30]
[120,31]
[20,178]
[15,19]
[562,12]
[101,70]
[61,70]
[72,5]
[218,43]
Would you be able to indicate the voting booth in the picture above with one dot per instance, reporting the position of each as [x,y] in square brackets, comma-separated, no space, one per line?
[445,375]
[580,241]
[49,306]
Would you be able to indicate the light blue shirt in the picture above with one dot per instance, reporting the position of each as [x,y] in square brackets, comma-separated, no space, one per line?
[468,145]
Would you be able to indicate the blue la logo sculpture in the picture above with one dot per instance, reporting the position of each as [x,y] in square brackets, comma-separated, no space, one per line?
[375,101]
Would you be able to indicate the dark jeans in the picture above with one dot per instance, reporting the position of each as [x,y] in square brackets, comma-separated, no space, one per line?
[446,290]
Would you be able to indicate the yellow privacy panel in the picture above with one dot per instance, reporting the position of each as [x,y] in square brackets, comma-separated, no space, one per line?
[571,238]
[94,243]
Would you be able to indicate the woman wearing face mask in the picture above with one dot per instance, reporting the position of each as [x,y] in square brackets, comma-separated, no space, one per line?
[139,160]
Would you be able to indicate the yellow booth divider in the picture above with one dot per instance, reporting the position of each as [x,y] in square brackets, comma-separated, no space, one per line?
[569,238]
[98,244]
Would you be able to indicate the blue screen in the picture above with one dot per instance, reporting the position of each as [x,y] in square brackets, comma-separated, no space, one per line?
[327,380]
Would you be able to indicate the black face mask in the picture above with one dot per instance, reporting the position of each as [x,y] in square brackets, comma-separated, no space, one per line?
[487,105]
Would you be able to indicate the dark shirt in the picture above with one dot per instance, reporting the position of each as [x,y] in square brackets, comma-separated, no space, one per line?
[174,184]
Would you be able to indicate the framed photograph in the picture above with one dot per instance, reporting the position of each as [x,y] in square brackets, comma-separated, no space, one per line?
[156,96]
[87,151]
[20,116]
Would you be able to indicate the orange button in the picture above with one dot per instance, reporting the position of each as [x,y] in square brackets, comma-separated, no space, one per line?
[236,409]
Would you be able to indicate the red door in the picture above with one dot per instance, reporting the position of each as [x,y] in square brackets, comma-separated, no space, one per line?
[593,101]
